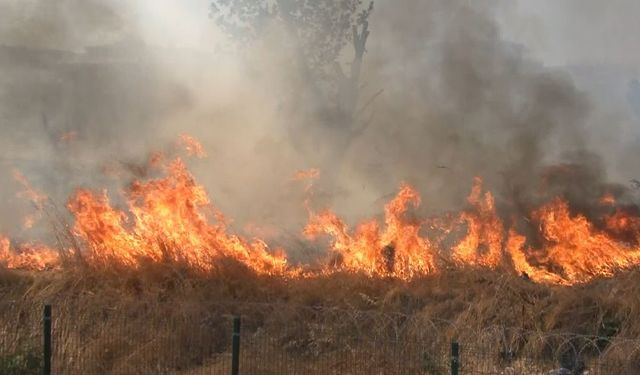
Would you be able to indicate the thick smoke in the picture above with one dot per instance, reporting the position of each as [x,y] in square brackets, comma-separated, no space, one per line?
[444,97]
[460,101]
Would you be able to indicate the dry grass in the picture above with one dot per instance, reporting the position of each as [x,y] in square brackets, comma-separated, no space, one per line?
[165,319]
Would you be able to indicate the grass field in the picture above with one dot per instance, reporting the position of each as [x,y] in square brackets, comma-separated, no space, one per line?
[165,318]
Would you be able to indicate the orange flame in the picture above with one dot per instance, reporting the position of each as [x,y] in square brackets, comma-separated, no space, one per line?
[308,174]
[608,200]
[573,249]
[28,192]
[167,222]
[484,229]
[171,219]
[191,146]
[37,199]
[32,257]
[397,251]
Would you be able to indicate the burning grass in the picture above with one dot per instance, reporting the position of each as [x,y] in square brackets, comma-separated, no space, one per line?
[167,254]
[169,218]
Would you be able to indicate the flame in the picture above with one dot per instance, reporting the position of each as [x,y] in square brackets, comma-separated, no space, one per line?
[165,216]
[573,249]
[484,229]
[574,245]
[191,146]
[37,198]
[167,221]
[398,250]
[28,222]
[31,257]
[608,200]
[28,192]
[307,174]
[624,225]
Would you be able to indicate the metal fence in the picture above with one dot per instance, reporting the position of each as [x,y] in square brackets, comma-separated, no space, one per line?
[21,350]
[272,339]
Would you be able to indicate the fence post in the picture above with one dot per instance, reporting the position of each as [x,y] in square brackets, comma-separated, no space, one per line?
[46,368]
[235,350]
[455,358]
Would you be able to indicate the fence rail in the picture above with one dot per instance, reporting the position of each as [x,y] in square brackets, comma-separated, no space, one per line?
[276,340]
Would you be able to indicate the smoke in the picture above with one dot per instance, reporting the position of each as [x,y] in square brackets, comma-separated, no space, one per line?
[445,96]
[564,33]
[64,24]
[465,102]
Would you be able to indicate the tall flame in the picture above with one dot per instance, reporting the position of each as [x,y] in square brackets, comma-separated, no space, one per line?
[167,221]
[170,219]
[398,250]
[484,230]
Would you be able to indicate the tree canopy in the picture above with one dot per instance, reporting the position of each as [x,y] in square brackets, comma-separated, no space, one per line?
[320,30]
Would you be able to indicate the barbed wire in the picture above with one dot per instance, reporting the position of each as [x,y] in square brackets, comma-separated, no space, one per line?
[295,332]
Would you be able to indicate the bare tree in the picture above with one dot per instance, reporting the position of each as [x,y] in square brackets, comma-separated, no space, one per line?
[321,33]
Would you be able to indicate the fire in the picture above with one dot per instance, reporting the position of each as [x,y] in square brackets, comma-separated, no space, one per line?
[485,230]
[34,257]
[191,146]
[308,174]
[28,222]
[397,250]
[515,249]
[102,229]
[165,216]
[624,225]
[168,220]
[28,192]
[608,200]
[37,198]
[573,249]
[579,248]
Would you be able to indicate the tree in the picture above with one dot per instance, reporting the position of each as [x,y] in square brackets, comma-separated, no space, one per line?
[320,32]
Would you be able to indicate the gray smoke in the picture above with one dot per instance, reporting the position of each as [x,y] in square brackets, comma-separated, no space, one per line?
[445,96]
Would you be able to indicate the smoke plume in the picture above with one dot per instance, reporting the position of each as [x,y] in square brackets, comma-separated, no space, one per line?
[445,96]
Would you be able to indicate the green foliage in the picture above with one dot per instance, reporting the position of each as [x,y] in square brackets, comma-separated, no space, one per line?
[25,362]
